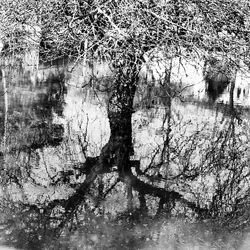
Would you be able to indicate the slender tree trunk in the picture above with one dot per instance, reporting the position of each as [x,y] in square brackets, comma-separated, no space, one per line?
[165,158]
[5,129]
[5,89]
[231,91]
[231,96]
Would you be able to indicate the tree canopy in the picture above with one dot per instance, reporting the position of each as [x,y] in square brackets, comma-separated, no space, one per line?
[110,29]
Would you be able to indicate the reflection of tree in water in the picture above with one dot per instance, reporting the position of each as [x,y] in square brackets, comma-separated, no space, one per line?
[217,76]
[174,182]
[31,112]
[116,201]
[48,103]
[53,99]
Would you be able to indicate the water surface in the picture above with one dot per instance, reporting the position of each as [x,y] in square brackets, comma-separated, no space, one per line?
[54,131]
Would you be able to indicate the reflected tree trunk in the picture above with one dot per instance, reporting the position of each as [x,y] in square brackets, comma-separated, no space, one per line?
[5,89]
[4,140]
[232,111]
[231,94]
[120,109]
[168,96]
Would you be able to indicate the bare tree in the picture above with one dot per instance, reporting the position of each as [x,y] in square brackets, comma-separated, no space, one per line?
[123,33]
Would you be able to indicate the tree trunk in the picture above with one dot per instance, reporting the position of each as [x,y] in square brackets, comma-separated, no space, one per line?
[3,149]
[5,89]
[231,96]
[120,109]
